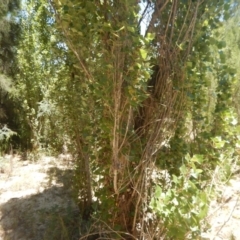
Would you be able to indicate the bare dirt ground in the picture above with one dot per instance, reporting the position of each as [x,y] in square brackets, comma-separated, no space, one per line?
[36,202]
[224,212]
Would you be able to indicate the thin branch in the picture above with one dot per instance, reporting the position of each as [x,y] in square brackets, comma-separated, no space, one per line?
[143,14]
[230,215]
[159,7]
[170,16]
[66,33]
[193,27]
[184,22]
[173,19]
[127,128]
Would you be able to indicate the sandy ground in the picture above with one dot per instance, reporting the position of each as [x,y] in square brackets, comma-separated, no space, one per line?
[36,202]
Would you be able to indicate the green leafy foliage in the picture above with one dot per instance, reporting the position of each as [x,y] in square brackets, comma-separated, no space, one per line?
[183,205]
[9,33]
[5,136]
[37,75]
[126,104]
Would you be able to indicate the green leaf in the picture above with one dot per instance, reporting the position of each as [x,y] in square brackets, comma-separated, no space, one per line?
[130,29]
[222,57]
[143,53]
[150,36]
[205,23]
[197,158]
[221,44]
[158,192]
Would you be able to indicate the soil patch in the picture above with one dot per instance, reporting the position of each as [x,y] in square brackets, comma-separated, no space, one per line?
[35,200]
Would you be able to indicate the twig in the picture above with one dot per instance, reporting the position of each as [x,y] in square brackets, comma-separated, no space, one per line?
[230,215]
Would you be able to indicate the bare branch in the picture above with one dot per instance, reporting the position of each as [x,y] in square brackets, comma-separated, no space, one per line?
[159,7]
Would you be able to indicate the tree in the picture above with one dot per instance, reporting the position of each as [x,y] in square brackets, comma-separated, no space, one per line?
[9,32]
[141,110]
[121,98]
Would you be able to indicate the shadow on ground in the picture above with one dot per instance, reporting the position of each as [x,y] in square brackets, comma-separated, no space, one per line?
[48,214]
